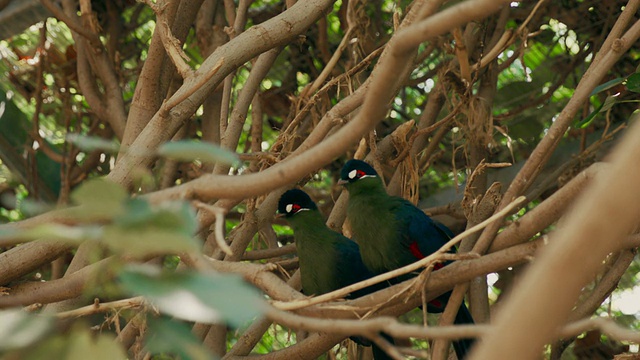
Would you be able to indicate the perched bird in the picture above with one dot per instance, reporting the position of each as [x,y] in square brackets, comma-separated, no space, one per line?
[392,233]
[328,260]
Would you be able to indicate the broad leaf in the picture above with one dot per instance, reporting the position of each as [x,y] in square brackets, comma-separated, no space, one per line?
[84,345]
[78,344]
[587,121]
[633,83]
[19,328]
[172,215]
[98,191]
[73,235]
[606,86]
[148,241]
[193,150]
[169,336]
[91,143]
[143,229]
[206,298]
[99,198]
[609,102]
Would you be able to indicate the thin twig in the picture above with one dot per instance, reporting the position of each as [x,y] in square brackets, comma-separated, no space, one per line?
[606,326]
[219,227]
[97,307]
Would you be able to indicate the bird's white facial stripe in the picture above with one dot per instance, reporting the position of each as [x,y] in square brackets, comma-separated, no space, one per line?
[352,174]
[294,208]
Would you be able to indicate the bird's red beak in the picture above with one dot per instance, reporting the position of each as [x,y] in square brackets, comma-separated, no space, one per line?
[342,182]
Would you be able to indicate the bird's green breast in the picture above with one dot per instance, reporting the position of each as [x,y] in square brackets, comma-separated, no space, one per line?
[316,253]
[373,226]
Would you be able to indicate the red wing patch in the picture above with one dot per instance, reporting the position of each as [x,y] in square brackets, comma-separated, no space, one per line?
[415,250]
[418,254]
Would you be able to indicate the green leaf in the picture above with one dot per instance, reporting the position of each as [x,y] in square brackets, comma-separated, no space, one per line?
[91,143]
[150,241]
[171,215]
[587,121]
[633,83]
[143,229]
[99,198]
[186,150]
[78,344]
[167,336]
[206,298]
[98,191]
[606,105]
[609,102]
[84,345]
[606,86]
[137,213]
[19,328]
[73,235]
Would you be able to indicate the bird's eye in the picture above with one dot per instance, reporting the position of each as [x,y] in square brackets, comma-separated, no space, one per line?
[293,208]
[352,174]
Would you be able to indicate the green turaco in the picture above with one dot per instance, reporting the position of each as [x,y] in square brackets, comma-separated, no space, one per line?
[392,232]
[328,260]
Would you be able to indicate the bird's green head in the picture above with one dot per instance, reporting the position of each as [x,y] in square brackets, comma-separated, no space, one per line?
[294,201]
[357,174]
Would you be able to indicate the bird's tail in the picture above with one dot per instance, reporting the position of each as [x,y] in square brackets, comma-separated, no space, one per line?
[463,346]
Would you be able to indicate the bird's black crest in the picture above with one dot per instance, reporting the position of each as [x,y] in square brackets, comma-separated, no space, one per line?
[354,170]
[295,200]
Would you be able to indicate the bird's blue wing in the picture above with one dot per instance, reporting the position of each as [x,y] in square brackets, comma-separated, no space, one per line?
[419,233]
[352,269]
